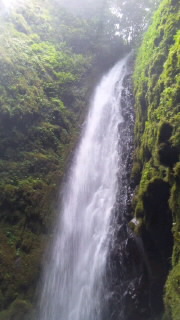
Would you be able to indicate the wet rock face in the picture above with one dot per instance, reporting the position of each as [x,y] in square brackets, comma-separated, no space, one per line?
[127,270]
[126,147]
[129,278]
[130,266]
[157,237]
[138,265]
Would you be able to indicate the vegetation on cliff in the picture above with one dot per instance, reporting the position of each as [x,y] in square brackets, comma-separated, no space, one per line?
[49,58]
[41,102]
[156,164]
[48,55]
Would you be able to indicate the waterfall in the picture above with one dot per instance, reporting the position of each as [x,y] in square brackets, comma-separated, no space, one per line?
[73,282]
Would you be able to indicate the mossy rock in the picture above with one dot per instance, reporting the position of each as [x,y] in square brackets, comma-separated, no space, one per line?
[19,310]
[165,132]
[157,138]
[136,173]
[136,225]
[172,295]
[44,87]
[168,155]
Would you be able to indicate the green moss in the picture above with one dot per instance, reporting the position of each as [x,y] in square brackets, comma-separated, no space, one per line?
[136,225]
[172,297]
[157,134]
[19,310]
[43,93]
[136,173]
[49,59]
[168,155]
[165,132]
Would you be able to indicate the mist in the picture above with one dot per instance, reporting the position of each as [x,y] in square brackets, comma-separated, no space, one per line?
[81,6]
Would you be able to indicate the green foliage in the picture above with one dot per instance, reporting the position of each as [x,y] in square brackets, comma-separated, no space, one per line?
[157,92]
[136,173]
[44,86]
[19,310]
[47,57]
[133,17]
[172,299]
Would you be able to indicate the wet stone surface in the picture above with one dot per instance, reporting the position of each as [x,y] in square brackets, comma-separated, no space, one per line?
[128,274]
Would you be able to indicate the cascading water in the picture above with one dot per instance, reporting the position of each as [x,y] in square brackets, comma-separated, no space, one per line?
[73,282]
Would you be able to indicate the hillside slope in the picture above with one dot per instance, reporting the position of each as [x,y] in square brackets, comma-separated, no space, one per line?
[43,96]
[50,60]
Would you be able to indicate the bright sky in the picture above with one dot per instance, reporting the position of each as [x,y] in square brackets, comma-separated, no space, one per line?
[9,3]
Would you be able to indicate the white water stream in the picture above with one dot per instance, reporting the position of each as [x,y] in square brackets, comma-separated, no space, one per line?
[73,282]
